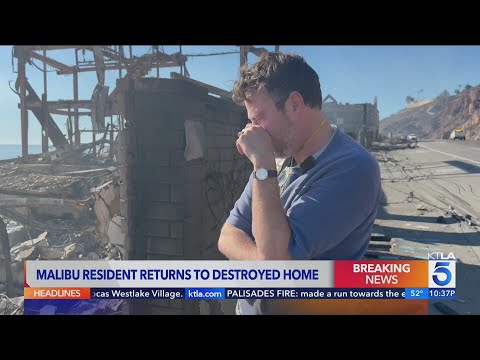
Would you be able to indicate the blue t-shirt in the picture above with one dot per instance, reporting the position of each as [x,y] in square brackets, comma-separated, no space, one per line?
[330,208]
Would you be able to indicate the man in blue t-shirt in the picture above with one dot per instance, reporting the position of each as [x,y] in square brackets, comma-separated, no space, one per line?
[330,186]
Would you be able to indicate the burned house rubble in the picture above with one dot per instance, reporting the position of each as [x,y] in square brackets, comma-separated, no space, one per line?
[55,212]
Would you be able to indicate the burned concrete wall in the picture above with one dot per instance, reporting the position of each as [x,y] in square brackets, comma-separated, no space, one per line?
[360,121]
[180,173]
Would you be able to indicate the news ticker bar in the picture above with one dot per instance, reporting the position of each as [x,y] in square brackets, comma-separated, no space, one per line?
[240,293]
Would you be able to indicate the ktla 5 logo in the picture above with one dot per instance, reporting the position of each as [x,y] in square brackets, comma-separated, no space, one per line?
[441,271]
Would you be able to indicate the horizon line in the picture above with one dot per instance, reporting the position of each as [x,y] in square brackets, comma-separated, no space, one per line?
[28,144]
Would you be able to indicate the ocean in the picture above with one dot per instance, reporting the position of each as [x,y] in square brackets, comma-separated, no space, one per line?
[14,151]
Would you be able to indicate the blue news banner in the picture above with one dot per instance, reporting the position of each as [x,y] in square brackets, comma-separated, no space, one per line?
[272,293]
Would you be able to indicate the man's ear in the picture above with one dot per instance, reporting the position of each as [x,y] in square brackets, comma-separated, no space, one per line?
[296,99]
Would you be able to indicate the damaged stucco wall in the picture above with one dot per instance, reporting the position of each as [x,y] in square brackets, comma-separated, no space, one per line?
[107,212]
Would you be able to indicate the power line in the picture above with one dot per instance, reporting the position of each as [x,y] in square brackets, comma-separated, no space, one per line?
[214,54]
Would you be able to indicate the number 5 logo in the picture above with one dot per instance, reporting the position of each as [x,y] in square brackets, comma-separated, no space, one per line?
[442,267]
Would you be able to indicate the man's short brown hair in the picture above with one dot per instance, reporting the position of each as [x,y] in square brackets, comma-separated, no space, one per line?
[280,74]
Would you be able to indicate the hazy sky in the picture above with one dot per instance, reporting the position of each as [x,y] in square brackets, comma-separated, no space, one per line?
[353,74]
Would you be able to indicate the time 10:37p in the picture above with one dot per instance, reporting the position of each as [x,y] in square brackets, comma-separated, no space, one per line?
[448,293]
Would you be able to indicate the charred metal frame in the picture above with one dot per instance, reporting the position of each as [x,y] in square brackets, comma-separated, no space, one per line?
[105,58]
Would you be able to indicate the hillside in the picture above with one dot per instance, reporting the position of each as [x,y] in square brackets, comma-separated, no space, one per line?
[435,119]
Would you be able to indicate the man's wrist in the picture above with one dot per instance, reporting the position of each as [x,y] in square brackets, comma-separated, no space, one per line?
[265,163]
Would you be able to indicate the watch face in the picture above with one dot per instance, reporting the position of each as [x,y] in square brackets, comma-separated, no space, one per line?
[261,174]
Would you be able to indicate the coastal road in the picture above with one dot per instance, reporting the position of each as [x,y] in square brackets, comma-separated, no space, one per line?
[421,186]
[454,170]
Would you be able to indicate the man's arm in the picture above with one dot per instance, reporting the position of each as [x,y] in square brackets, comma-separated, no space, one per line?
[235,244]
[271,229]
[270,224]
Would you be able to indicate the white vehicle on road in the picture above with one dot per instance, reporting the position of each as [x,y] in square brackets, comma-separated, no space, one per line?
[457,134]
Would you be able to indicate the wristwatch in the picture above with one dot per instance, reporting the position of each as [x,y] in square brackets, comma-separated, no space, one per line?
[262,174]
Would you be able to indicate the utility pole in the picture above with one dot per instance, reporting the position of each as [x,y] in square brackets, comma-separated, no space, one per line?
[244,54]
[245,49]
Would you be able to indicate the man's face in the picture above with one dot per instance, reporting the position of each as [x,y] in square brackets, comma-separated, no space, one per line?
[262,111]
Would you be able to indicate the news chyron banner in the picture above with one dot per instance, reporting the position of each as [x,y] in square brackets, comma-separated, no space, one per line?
[295,287]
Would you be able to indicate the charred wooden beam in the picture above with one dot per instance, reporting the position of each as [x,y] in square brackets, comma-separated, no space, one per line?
[38,202]
[54,63]
[61,104]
